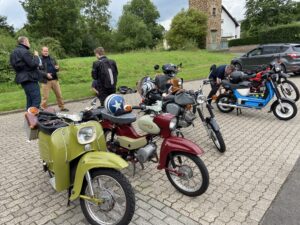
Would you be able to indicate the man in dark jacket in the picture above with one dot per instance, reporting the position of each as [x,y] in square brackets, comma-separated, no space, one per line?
[216,76]
[50,66]
[105,71]
[26,65]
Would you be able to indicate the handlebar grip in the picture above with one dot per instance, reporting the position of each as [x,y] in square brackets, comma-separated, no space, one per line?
[137,107]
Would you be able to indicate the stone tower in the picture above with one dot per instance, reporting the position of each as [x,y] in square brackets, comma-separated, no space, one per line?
[213,9]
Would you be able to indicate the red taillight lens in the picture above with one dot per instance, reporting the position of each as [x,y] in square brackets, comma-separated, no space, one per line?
[294,55]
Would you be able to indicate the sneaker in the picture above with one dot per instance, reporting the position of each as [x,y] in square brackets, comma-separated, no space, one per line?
[64,110]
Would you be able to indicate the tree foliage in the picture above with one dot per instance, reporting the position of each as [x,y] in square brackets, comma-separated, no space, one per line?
[262,14]
[187,27]
[4,27]
[139,18]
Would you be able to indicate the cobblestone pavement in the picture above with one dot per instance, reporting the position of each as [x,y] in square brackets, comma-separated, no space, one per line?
[261,152]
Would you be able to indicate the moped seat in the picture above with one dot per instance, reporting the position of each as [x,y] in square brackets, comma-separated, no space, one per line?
[241,85]
[122,119]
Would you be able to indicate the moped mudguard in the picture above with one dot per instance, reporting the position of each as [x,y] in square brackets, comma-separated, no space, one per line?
[92,160]
[177,144]
[275,103]
[213,123]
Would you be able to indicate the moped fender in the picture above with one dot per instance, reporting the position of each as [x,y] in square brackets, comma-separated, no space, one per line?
[213,124]
[92,160]
[275,102]
[177,144]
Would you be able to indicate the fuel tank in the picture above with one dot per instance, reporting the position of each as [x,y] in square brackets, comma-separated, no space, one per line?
[146,124]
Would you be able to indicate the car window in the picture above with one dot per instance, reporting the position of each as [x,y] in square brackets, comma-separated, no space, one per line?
[255,52]
[282,49]
[296,48]
[270,50]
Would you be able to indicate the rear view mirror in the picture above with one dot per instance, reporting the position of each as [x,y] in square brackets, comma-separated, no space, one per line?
[156,67]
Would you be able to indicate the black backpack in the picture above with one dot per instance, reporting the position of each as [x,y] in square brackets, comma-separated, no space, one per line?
[107,73]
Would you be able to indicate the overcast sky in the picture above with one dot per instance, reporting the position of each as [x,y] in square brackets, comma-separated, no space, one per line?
[16,16]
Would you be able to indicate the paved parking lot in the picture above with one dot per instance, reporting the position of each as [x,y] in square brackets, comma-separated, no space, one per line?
[261,152]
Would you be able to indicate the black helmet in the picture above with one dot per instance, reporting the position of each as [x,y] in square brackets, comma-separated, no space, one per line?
[169,69]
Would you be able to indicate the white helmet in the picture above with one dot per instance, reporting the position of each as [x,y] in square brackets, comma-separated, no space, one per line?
[147,87]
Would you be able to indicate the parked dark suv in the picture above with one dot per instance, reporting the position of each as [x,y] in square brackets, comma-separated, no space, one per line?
[265,54]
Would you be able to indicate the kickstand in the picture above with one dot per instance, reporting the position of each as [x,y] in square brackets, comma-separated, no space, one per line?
[238,111]
[69,195]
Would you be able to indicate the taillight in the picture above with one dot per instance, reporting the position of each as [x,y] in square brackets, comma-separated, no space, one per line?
[294,55]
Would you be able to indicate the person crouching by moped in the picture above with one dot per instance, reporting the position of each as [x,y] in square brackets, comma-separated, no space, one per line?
[105,71]
[216,76]
[50,66]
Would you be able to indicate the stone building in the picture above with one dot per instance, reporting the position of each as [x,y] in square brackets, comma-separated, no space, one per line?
[220,23]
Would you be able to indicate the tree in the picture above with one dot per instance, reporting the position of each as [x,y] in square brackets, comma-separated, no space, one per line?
[261,14]
[187,27]
[96,18]
[51,18]
[4,27]
[148,13]
[132,33]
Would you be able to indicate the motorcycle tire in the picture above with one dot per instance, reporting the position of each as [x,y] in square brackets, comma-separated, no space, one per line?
[127,189]
[173,177]
[293,88]
[217,139]
[290,109]
[221,98]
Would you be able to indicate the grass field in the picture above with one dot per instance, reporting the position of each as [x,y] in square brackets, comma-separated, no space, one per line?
[75,73]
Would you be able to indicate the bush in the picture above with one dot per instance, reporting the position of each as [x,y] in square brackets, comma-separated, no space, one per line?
[279,34]
[7,44]
[54,46]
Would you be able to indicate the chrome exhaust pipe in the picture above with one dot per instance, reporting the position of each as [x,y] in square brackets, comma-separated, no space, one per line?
[232,106]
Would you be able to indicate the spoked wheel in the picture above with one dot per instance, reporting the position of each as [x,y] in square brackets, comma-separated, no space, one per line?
[217,138]
[226,99]
[286,110]
[187,173]
[118,198]
[289,90]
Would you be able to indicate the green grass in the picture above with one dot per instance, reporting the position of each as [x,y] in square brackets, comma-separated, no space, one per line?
[75,73]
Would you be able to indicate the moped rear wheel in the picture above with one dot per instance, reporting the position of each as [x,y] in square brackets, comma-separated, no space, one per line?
[187,173]
[285,111]
[289,90]
[114,189]
[217,138]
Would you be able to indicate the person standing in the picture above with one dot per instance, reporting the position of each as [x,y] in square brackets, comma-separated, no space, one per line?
[216,76]
[26,65]
[50,66]
[105,71]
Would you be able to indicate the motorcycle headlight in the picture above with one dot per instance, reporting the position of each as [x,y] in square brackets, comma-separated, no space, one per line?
[200,99]
[86,135]
[173,124]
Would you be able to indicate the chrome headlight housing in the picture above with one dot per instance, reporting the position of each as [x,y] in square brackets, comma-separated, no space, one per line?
[173,124]
[201,99]
[86,135]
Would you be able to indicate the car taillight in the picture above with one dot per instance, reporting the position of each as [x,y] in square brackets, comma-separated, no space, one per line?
[294,55]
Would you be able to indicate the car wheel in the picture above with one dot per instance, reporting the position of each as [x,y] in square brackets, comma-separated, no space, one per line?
[297,73]
[238,66]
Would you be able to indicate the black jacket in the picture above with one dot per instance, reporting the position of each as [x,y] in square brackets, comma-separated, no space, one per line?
[100,72]
[25,64]
[44,68]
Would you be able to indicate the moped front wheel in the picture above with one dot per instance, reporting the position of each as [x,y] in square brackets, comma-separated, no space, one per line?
[285,110]
[113,188]
[217,138]
[289,90]
[187,173]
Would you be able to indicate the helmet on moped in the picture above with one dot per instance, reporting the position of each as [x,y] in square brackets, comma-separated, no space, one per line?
[114,104]
[169,69]
[147,87]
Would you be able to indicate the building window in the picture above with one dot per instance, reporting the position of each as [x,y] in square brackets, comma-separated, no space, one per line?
[214,12]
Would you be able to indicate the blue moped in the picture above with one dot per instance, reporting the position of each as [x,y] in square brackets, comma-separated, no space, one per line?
[237,95]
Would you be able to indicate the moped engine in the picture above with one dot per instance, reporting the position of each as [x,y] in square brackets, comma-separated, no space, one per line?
[146,153]
[186,119]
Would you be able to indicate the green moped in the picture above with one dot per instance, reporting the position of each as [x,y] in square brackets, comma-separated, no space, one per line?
[75,156]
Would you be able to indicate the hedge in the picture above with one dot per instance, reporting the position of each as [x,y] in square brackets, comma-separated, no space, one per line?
[279,34]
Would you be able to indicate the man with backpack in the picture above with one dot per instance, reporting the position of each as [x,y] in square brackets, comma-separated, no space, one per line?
[105,71]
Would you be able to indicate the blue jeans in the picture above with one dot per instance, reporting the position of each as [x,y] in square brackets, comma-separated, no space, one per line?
[33,94]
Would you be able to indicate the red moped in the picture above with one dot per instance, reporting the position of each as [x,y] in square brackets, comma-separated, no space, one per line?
[178,156]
